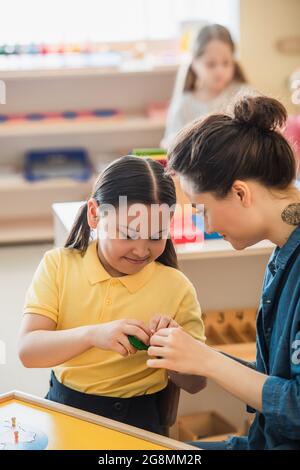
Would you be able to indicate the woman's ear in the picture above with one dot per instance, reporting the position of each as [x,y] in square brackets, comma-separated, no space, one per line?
[92,213]
[241,190]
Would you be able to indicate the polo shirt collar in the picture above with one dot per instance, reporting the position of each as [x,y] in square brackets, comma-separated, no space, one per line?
[282,255]
[96,272]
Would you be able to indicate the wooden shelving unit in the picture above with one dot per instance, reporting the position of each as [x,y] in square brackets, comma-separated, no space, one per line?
[55,127]
[25,208]
[232,332]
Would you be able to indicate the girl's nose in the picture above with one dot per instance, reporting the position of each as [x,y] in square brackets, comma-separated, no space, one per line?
[140,249]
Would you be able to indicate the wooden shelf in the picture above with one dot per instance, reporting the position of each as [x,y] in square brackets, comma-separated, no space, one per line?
[72,72]
[19,183]
[245,351]
[33,200]
[232,332]
[51,127]
[26,231]
[220,248]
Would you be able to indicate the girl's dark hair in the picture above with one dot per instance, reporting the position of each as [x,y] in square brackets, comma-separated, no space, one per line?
[205,35]
[142,180]
[216,151]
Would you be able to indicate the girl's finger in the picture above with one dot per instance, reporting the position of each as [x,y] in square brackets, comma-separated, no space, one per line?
[154,323]
[138,332]
[141,325]
[127,345]
[164,323]
[119,348]
[164,332]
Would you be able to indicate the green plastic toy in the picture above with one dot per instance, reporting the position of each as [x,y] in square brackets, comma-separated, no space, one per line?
[137,344]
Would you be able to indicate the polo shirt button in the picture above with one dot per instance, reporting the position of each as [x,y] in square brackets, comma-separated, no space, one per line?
[118,406]
[114,283]
[108,301]
[268,301]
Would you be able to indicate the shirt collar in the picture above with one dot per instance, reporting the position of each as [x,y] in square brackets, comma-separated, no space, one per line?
[282,255]
[96,272]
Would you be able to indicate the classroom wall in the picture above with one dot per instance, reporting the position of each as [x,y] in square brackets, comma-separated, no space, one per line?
[262,23]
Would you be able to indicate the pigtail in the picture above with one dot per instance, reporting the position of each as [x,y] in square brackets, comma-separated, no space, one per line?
[79,236]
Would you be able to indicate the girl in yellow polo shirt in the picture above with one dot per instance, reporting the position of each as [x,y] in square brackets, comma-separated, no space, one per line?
[86,299]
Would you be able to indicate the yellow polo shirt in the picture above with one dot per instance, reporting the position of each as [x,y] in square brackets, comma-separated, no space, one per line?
[74,291]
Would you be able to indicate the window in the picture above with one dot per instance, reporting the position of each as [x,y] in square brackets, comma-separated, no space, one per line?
[73,21]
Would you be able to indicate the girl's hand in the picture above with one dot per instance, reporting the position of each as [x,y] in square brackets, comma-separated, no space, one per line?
[113,336]
[176,350]
[159,322]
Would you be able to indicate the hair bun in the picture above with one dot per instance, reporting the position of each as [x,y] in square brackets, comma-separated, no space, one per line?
[261,112]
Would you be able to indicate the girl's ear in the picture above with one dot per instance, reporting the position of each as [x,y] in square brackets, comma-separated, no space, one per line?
[92,213]
[241,190]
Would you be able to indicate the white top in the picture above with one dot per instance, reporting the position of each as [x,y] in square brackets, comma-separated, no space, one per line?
[186,107]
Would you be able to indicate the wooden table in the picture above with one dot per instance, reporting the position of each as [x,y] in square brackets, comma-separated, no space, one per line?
[42,424]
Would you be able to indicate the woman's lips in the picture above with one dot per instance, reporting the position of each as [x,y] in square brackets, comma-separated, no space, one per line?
[136,261]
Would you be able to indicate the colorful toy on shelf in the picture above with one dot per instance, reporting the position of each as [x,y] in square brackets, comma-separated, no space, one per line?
[57,163]
[157,154]
[199,222]
[184,230]
[99,113]
[157,110]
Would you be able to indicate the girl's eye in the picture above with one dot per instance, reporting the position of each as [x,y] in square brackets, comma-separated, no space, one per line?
[126,236]
[132,237]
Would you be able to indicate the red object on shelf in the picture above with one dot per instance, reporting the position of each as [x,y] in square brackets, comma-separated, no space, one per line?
[183,230]
[157,110]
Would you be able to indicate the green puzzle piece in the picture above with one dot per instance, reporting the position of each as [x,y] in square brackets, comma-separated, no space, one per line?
[136,343]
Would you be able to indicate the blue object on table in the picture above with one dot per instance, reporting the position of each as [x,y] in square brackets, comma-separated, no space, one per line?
[199,223]
[69,114]
[3,118]
[212,236]
[57,163]
[104,112]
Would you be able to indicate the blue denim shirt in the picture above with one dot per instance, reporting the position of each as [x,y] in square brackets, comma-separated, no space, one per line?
[278,356]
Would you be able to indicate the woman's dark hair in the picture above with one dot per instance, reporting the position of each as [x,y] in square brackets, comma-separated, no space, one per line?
[214,152]
[141,180]
[205,35]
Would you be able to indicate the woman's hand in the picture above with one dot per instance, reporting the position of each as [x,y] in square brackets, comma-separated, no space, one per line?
[113,336]
[159,322]
[176,350]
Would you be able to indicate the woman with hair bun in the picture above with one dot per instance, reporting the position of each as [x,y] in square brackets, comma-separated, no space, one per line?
[243,170]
